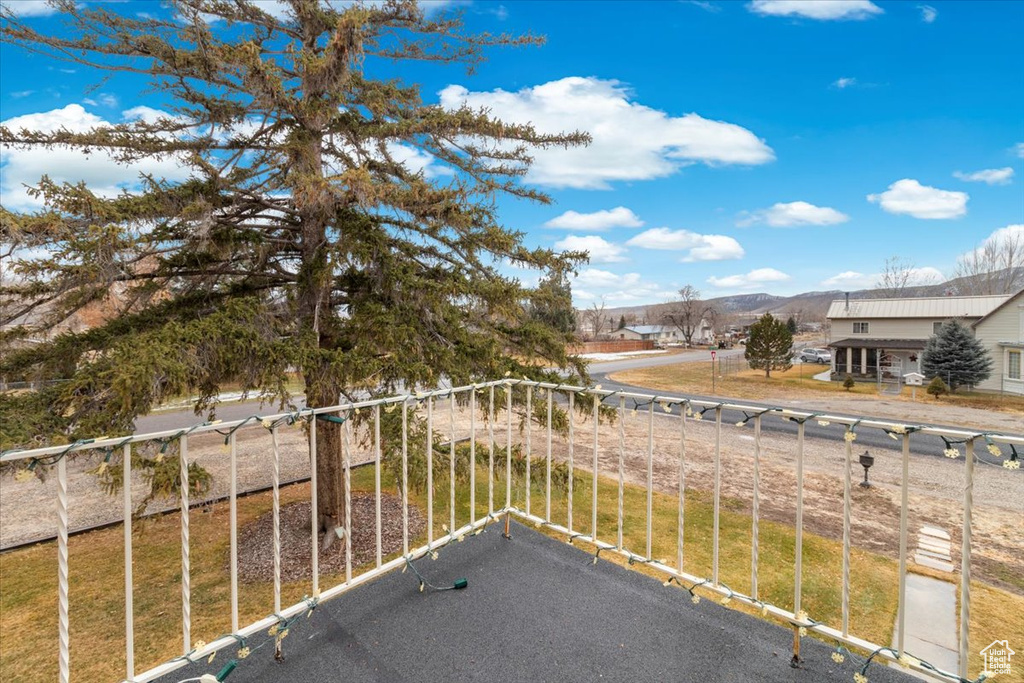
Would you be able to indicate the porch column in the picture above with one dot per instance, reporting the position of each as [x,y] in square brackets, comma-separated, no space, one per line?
[849,360]
[864,361]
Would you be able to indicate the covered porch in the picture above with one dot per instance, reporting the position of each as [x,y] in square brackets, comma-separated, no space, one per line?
[865,358]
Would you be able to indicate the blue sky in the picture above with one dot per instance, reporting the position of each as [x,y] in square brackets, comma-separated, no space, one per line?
[778,146]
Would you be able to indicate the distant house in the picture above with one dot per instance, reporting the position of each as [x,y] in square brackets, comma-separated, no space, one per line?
[662,334]
[888,335]
[666,334]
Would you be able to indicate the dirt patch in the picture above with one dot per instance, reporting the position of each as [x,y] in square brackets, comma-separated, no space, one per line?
[256,540]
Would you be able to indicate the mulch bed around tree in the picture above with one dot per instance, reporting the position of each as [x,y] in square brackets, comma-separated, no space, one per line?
[256,540]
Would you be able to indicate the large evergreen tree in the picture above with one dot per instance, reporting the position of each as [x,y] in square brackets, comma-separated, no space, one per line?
[956,356]
[770,346]
[300,239]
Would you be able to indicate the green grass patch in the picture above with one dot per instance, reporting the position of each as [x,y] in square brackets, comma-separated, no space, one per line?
[28,610]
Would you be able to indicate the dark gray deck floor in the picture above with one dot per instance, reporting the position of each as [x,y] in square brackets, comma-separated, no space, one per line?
[536,609]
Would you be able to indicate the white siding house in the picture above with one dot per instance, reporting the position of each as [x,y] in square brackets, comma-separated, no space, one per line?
[666,334]
[662,334]
[1002,333]
[869,334]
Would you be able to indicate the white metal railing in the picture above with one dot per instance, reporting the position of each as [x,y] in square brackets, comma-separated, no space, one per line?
[688,410]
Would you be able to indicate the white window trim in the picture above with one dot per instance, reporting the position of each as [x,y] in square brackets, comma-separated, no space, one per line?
[1020,364]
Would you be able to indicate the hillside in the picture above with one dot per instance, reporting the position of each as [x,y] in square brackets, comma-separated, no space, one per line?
[811,306]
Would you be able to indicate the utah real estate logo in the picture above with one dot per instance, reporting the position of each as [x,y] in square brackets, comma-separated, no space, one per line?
[997,657]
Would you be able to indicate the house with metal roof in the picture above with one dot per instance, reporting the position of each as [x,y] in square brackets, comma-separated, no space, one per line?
[666,334]
[883,338]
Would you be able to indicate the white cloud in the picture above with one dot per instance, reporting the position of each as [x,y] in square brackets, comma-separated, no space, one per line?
[789,214]
[851,279]
[593,284]
[27,8]
[98,170]
[619,217]
[842,83]
[907,196]
[925,276]
[630,141]
[928,13]
[1018,149]
[823,10]
[706,6]
[596,278]
[751,280]
[600,250]
[700,247]
[991,176]
[18,94]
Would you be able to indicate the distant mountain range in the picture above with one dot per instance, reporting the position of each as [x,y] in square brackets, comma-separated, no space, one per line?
[809,306]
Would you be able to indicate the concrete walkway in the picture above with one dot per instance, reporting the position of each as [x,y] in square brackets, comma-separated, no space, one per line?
[932,632]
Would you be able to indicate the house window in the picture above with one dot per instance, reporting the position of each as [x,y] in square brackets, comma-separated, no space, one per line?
[936,326]
[860,328]
[1013,358]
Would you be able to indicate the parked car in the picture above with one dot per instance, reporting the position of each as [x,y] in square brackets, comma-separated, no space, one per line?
[815,356]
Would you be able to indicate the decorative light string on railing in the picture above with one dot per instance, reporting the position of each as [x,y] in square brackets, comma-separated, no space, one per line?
[747,417]
[905,660]
[951,450]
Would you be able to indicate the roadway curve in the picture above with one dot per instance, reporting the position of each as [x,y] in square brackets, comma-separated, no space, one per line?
[867,439]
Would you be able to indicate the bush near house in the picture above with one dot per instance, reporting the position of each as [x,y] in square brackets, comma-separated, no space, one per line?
[937,387]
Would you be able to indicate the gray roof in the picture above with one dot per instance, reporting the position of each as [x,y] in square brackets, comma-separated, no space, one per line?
[649,329]
[939,307]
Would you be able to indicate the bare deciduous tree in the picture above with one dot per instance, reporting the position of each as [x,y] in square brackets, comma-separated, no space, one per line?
[994,267]
[898,275]
[686,312]
[594,319]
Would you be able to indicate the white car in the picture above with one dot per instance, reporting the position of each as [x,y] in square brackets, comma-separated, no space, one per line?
[815,356]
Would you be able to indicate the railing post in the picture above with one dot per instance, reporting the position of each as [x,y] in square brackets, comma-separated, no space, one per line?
[718,495]
[346,454]
[313,507]
[965,559]
[64,655]
[430,471]
[129,584]
[755,549]
[472,455]
[572,448]
[508,450]
[529,442]
[680,527]
[593,496]
[847,504]
[650,480]
[451,465]
[490,451]
[622,467]
[405,477]
[376,481]
[186,570]
[799,559]
[276,483]
[901,615]
[233,521]
[547,488]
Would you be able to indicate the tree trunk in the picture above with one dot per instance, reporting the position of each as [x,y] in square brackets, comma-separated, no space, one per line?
[330,463]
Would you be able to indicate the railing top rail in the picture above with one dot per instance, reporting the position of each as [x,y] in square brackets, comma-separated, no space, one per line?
[671,399]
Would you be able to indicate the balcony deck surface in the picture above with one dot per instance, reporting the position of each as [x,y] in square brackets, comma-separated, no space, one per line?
[536,609]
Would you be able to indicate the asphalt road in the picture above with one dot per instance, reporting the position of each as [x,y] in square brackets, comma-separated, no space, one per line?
[872,440]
